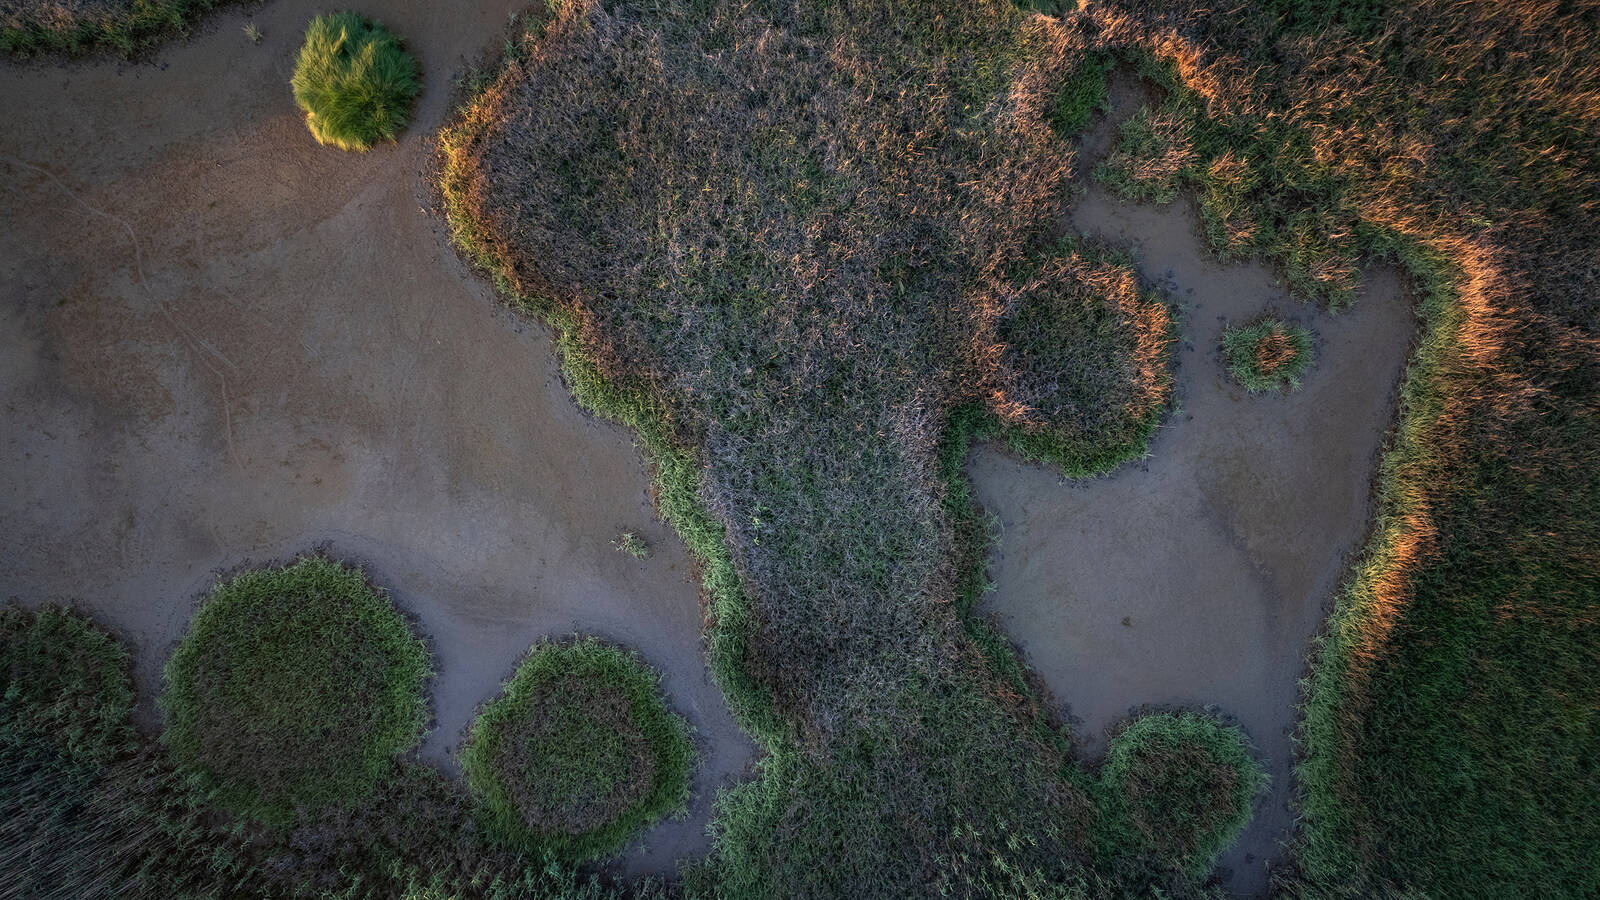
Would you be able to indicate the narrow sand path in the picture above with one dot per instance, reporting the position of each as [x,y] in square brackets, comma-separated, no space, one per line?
[1198,577]
[221,344]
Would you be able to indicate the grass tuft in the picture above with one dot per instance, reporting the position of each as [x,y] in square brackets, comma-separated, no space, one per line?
[630,543]
[295,688]
[579,752]
[354,81]
[1267,354]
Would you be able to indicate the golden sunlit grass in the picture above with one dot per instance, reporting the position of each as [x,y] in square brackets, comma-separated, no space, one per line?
[1462,140]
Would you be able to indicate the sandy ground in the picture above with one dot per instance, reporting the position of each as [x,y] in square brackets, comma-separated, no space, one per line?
[1197,577]
[221,344]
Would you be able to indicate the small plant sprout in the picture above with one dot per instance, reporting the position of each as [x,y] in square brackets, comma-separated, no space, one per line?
[253,32]
[1267,354]
[633,545]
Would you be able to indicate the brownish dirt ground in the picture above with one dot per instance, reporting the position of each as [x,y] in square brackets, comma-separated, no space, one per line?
[221,344]
[1199,576]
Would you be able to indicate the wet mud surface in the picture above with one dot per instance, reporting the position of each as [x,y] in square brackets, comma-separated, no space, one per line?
[221,344]
[1198,576]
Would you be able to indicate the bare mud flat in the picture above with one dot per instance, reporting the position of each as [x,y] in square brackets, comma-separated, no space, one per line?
[221,344]
[1198,577]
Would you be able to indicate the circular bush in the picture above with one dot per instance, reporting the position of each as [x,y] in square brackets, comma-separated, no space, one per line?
[1267,354]
[1179,787]
[354,81]
[579,751]
[295,687]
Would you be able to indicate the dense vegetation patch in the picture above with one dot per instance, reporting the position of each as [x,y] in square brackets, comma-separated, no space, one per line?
[354,81]
[1179,787]
[579,752]
[294,688]
[91,808]
[793,295]
[78,26]
[1455,667]
[1267,354]
[65,680]
[1154,150]
[86,808]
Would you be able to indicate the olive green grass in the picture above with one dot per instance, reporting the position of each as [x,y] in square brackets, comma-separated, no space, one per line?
[34,27]
[1267,354]
[354,81]
[1178,787]
[295,688]
[578,753]
[91,807]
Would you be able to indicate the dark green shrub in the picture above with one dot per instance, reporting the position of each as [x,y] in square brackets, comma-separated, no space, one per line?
[1267,354]
[295,687]
[579,751]
[64,680]
[1177,787]
[354,81]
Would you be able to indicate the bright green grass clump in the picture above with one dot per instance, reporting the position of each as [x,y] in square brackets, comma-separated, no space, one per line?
[294,688]
[354,81]
[1267,354]
[1179,787]
[579,752]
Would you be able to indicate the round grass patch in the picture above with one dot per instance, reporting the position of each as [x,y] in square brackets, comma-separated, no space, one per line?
[295,687]
[1267,354]
[1179,787]
[65,680]
[354,81]
[579,751]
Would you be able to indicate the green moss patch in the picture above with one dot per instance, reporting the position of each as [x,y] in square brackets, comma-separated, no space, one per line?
[295,687]
[579,752]
[1267,354]
[354,81]
[1178,787]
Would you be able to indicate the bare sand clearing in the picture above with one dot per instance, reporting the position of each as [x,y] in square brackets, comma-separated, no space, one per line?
[221,343]
[1198,577]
